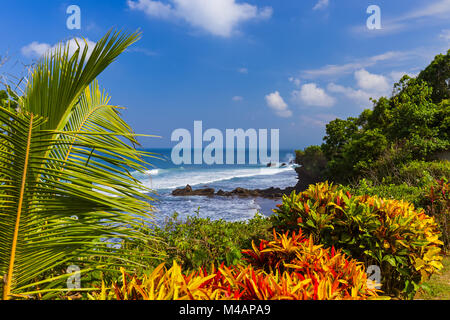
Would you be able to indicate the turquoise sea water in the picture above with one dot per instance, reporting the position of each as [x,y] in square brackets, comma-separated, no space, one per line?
[164,176]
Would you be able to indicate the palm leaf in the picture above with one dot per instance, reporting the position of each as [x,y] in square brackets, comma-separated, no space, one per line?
[59,79]
[50,223]
[65,182]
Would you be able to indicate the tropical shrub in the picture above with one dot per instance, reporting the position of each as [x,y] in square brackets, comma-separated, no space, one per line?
[326,273]
[402,241]
[161,284]
[432,197]
[411,194]
[310,273]
[421,173]
[197,241]
[437,204]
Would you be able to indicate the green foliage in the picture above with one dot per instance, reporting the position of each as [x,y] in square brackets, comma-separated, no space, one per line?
[62,139]
[422,173]
[437,204]
[409,125]
[438,287]
[411,110]
[312,167]
[8,98]
[392,234]
[443,119]
[362,151]
[414,195]
[414,173]
[312,159]
[199,241]
[310,273]
[437,75]
[418,182]
[339,133]
[413,124]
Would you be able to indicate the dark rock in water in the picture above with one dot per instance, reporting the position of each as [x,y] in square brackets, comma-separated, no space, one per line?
[270,193]
[188,191]
[283,165]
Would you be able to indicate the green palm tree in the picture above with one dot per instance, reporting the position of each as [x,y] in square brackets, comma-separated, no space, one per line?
[65,184]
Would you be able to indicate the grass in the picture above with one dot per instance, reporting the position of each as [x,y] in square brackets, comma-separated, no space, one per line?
[439,284]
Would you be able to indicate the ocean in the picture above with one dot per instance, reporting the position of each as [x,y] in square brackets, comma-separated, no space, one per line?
[164,176]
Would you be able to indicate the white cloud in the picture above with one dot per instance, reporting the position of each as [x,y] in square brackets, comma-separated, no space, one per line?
[37,50]
[243,70]
[152,8]
[321,4]
[369,86]
[295,81]
[397,75]
[445,34]
[237,98]
[277,104]
[318,120]
[312,95]
[218,17]
[371,82]
[357,95]
[433,9]
[332,70]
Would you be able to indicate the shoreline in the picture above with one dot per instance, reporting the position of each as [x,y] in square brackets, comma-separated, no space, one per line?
[269,193]
[266,199]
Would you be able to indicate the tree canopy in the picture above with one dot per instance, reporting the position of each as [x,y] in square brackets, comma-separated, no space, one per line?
[413,124]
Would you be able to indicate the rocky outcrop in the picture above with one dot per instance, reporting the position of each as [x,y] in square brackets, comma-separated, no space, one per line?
[305,178]
[271,193]
[188,191]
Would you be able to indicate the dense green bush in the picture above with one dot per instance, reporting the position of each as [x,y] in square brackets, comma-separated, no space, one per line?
[402,241]
[411,125]
[199,241]
[413,173]
[312,159]
[312,167]
[414,195]
[437,74]
[423,173]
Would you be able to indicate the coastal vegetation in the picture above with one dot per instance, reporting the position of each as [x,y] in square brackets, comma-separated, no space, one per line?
[399,149]
[289,267]
[375,192]
[402,241]
[66,193]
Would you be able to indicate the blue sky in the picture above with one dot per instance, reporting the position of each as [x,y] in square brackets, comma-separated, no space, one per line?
[268,64]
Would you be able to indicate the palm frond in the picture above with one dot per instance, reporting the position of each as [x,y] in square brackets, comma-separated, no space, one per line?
[66,184]
[52,222]
[59,79]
